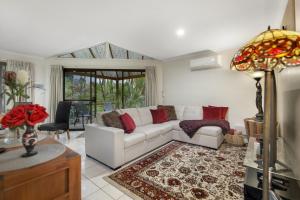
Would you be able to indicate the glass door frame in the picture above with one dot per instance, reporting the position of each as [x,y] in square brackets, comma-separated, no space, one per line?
[92,100]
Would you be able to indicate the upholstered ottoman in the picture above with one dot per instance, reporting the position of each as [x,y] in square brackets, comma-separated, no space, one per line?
[208,136]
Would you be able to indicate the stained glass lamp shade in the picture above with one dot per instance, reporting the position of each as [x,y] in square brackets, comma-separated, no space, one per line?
[272,49]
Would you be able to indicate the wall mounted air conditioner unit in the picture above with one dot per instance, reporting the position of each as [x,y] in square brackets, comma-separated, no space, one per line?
[208,62]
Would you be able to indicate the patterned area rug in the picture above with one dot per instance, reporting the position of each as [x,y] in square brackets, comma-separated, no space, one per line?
[184,171]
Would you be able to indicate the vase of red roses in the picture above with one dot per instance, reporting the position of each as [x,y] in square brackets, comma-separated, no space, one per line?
[25,116]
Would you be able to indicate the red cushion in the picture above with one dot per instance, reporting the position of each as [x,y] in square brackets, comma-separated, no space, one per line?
[222,110]
[210,113]
[159,116]
[128,123]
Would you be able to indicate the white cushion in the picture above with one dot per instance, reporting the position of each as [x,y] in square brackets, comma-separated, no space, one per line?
[179,109]
[192,113]
[175,125]
[133,112]
[153,130]
[133,138]
[165,127]
[214,131]
[149,130]
[145,115]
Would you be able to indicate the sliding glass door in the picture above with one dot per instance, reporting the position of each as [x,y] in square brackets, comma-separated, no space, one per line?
[79,87]
[94,90]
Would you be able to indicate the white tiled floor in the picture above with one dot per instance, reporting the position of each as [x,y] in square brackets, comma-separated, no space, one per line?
[93,186]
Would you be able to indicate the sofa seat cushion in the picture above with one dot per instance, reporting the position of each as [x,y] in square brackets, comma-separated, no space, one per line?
[154,130]
[150,130]
[133,138]
[166,127]
[213,131]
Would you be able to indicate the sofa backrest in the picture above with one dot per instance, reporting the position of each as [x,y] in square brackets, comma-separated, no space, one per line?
[145,115]
[179,109]
[133,112]
[99,119]
[142,116]
[192,113]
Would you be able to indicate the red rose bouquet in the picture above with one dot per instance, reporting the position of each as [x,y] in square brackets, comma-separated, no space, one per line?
[24,115]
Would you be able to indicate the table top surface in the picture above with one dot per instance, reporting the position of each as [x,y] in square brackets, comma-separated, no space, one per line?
[67,154]
[13,160]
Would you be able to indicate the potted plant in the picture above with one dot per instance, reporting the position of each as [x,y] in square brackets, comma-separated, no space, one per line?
[25,116]
[16,86]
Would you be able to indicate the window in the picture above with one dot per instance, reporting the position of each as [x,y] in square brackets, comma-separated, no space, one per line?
[94,91]
[2,97]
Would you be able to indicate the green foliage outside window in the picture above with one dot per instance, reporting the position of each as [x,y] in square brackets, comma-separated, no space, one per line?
[80,86]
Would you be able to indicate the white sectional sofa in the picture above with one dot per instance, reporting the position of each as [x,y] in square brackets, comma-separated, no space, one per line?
[114,148]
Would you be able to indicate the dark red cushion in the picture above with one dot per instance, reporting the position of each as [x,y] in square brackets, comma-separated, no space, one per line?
[159,116]
[128,123]
[222,110]
[210,113]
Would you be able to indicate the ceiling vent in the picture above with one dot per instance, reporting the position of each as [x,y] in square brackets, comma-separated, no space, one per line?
[203,63]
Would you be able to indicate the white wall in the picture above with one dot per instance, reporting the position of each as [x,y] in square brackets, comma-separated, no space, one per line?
[41,71]
[210,87]
[297,14]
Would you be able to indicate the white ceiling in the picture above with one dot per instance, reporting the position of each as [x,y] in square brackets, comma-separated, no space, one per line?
[49,27]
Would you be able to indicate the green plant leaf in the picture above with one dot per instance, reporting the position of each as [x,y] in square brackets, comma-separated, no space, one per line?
[26,96]
[9,100]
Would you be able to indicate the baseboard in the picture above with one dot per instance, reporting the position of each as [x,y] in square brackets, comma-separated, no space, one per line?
[104,163]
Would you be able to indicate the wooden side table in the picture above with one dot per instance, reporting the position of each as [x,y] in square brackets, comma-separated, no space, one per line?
[59,178]
[253,127]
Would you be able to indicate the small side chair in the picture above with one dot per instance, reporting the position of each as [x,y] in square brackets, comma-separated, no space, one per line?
[61,122]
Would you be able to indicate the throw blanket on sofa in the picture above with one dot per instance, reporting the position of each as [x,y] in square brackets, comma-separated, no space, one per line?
[190,127]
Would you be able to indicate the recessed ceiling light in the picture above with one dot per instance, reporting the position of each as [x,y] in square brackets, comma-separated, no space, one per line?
[180,32]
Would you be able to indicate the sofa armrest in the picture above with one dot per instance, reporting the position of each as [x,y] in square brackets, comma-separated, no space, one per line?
[105,144]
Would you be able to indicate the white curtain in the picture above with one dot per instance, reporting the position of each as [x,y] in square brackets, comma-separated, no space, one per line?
[56,89]
[2,97]
[16,65]
[150,86]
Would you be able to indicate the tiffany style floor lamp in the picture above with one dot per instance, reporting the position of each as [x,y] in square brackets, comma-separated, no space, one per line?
[271,50]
